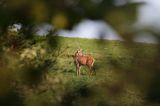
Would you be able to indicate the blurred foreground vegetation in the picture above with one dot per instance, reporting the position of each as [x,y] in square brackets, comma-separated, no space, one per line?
[39,71]
[37,74]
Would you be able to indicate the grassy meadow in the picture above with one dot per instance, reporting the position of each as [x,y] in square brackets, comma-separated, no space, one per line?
[42,73]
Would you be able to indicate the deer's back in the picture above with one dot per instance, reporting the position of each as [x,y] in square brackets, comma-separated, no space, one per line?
[85,60]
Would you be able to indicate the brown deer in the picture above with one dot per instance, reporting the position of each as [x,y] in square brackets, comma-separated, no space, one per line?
[87,60]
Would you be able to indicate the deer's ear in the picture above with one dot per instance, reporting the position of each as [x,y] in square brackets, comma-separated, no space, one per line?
[73,56]
[80,49]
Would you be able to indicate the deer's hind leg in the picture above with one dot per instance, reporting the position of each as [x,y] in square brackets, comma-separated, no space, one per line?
[91,70]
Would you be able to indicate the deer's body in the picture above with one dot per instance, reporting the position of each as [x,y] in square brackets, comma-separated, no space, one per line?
[86,60]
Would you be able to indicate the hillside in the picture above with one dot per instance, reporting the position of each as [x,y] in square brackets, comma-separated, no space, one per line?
[42,73]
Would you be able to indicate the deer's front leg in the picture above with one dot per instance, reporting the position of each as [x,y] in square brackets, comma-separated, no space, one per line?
[78,69]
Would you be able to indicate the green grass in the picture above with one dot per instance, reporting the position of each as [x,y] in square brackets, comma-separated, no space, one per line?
[124,72]
[126,75]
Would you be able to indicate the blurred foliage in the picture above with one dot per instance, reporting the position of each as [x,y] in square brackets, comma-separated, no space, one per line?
[38,71]
[64,13]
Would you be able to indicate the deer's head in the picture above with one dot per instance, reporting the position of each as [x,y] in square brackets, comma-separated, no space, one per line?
[78,52]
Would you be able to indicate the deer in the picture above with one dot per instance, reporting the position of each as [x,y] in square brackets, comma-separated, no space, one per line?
[83,60]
